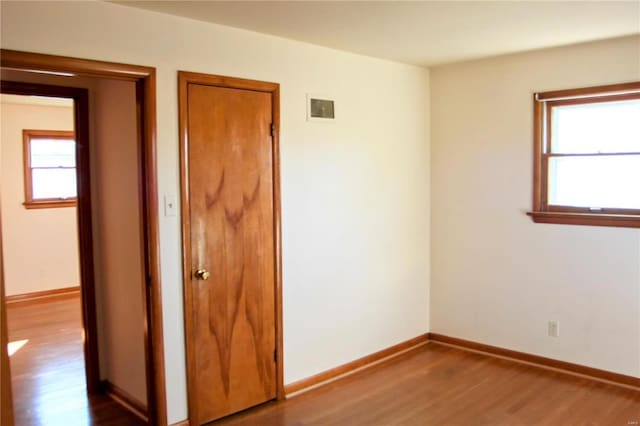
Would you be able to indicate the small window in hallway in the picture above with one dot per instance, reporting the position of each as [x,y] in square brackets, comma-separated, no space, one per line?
[49,169]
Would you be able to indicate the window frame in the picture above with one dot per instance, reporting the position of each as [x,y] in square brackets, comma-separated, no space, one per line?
[543,102]
[42,203]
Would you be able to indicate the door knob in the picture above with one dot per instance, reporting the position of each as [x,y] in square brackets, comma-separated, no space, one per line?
[202,274]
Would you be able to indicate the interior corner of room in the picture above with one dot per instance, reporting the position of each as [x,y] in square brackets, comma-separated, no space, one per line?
[392,224]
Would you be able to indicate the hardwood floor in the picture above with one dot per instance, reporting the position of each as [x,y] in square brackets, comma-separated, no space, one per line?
[432,385]
[441,385]
[47,373]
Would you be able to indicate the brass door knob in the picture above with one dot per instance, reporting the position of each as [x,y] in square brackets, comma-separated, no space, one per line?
[202,274]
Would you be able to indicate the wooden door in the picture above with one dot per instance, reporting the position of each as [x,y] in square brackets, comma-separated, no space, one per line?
[230,246]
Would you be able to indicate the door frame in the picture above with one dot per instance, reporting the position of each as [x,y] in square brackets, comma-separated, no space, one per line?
[145,80]
[184,79]
[84,219]
[6,399]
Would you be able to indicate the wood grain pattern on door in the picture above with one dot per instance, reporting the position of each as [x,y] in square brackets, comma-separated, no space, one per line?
[231,331]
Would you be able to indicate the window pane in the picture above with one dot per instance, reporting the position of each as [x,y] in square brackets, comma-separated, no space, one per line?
[611,181]
[595,128]
[53,183]
[53,153]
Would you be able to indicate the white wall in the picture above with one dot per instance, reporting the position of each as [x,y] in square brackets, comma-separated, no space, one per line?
[497,278]
[355,193]
[118,235]
[40,245]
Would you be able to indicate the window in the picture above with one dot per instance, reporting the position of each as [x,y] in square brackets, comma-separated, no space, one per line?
[49,169]
[587,156]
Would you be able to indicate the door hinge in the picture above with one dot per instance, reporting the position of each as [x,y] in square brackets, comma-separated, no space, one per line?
[275,355]
[273,130]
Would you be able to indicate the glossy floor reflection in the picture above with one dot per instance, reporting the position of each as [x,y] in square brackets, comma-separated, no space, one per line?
[437,385]
[47,369]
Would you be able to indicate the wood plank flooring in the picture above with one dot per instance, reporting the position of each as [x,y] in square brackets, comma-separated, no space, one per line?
[433,385]
[441,385]
[47,373]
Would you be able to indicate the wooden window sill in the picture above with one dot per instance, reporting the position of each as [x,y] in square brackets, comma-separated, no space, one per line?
[48,204]
[589,219]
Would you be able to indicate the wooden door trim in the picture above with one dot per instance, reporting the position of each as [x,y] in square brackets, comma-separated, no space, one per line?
[6,399]
[145,79]
[84,220]
[64,65]
[184,79]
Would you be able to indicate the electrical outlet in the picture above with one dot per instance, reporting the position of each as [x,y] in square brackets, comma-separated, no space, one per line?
[554,328]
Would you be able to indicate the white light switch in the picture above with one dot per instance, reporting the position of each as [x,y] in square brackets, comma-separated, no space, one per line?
[170,205]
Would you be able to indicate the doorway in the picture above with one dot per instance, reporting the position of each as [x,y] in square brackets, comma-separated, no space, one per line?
[231,243]
[48,205]
[150,323]
[45,278]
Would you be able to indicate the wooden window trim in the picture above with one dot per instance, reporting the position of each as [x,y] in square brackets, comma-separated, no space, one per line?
[41,203]
[542,104]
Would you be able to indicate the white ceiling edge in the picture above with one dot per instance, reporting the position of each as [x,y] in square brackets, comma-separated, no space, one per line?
[428,33]
[36,100]
[635,36]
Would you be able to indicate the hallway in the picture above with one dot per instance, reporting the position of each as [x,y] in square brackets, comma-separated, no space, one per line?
[48,369]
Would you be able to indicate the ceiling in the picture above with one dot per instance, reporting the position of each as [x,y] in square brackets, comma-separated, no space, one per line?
[35,100]
[422,33]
